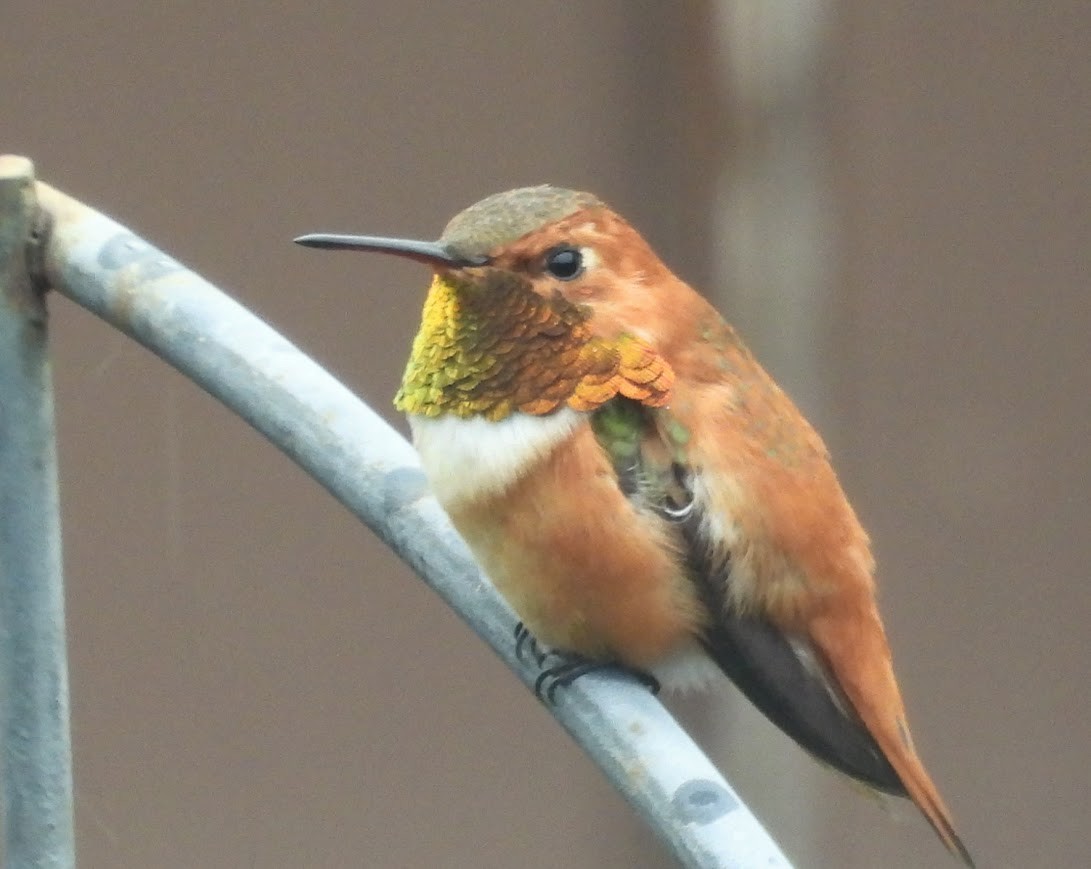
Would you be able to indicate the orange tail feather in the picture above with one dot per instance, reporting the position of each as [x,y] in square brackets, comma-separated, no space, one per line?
[856,651]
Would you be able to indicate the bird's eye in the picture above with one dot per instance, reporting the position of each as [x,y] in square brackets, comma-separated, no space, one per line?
[564,262]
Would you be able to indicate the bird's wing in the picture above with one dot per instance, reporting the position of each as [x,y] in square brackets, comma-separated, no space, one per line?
[780,674]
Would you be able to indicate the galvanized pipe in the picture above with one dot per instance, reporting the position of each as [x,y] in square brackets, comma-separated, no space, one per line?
[37,757]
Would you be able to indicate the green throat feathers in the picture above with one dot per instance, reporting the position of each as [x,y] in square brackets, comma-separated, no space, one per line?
[490,346]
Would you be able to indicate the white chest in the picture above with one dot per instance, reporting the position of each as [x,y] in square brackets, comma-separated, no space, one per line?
[466,459]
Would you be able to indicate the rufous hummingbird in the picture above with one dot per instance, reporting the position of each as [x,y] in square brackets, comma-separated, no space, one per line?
[637,486]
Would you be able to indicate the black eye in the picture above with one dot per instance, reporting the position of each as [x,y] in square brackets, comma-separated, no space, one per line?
[564,262]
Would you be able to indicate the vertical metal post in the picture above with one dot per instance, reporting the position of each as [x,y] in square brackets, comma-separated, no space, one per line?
[776,238]
[36,751]
[777,217]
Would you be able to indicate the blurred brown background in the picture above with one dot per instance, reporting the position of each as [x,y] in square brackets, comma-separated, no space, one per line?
[256,682]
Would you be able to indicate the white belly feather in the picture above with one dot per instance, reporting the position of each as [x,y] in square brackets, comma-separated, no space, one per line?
[466,458]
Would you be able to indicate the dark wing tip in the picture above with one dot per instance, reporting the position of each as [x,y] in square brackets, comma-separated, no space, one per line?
[769,671]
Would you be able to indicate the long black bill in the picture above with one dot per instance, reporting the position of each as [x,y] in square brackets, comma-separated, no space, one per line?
[428,252]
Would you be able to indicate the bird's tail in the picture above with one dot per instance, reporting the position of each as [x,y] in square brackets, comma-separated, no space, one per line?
[866,677]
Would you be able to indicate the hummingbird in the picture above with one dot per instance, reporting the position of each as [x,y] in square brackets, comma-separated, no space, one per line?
[637,487]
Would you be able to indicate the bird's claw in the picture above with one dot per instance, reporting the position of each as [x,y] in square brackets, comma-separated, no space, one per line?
[525,641]
[570,667]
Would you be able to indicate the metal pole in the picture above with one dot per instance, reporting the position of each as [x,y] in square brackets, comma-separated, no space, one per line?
[774,231]
[37,756]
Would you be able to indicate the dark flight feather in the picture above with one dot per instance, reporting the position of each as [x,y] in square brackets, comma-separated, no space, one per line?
[783,680]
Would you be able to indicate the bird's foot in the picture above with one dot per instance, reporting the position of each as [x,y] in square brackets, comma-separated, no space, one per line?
[570,667]
[525,642]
